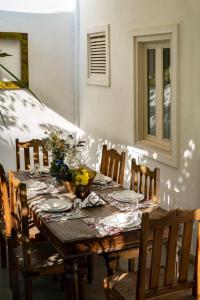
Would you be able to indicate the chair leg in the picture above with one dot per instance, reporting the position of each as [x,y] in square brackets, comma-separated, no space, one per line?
[15,279]
[90,265]
[131,265]
[28,288]
[3,252]
[10,262]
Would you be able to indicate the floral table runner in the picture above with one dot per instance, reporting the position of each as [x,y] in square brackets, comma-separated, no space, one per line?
[104,229]
[123,206]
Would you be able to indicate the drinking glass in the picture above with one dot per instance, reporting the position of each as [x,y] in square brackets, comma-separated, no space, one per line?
[77,211]
[53,184]
[37,169]
[77,207]
[135,211]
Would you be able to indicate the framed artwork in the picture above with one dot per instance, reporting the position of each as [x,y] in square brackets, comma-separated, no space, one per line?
[14,68]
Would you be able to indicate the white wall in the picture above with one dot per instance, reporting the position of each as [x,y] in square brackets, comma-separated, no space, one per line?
[51,56]
[107,112]
[26,118]
[51,47]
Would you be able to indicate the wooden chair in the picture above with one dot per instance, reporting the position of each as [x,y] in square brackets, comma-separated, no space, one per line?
[30,258]
[36,145]
[113,164]
[5,220]
[159,279]
[147,182]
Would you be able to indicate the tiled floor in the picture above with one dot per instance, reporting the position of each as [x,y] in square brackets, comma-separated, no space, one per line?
[48,288]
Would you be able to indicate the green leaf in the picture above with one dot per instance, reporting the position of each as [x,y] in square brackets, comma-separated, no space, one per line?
[4,54]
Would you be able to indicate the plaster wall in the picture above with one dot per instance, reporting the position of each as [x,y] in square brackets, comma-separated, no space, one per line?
[107,113]
[51,55]
[51,48]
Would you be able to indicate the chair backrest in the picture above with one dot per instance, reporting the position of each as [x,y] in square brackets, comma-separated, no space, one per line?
[5,217]
[151,284]
[36,145]
[21,220]
[145,181]
[113,164]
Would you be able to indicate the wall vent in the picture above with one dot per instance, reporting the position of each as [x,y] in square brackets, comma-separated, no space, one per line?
[98,56]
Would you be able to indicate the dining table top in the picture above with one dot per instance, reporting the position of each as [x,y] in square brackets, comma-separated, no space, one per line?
[73,237]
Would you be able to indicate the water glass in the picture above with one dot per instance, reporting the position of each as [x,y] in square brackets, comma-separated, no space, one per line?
[135,211]
[77,206]
[37,169]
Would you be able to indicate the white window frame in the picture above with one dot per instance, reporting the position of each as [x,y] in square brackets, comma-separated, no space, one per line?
[163,150]
[99,79]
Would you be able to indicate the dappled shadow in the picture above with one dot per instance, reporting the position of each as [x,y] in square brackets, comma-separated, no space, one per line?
[179,187]
[25,118]
[93,151]
[10,104]
[51,127]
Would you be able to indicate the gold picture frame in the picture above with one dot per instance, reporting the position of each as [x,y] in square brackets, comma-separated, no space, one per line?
[23,81]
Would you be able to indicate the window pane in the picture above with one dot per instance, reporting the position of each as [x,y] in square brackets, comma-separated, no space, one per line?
[166,93]
[151,98]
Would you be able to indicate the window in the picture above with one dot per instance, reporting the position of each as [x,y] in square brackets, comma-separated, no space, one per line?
[98,56]
[155,68]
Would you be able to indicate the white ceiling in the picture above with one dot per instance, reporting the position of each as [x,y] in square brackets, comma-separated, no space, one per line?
[38,6]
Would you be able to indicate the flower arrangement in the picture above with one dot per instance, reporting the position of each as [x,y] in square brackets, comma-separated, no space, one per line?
[63,148]
[65,154]
[82,177]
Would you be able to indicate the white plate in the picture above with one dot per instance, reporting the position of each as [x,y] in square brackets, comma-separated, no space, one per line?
[122,220]
[55,205]
[127,196]
[45,169]
[135,222]
[32,184]
[36,185]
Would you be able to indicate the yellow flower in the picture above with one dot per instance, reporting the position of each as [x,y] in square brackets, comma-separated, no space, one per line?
[82,178]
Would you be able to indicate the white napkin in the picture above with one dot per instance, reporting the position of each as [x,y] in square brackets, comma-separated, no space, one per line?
[92,200]
[101,179]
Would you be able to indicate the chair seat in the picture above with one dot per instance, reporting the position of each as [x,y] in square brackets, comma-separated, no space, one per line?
[44,258]
[124,284]
[123,287]
[35,234]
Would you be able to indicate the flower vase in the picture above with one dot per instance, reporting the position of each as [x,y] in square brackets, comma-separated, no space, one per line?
[82,191]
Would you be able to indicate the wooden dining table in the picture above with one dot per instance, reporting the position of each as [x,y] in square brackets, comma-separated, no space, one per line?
[75,240]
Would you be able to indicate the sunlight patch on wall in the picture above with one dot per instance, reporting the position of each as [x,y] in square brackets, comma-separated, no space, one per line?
[38,6]
[168,184]
[26,118]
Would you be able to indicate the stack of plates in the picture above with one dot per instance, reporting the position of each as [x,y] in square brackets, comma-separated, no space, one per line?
[127,196]
[35,185]
[101,179]
[45,169]
[55,205]
[122,220]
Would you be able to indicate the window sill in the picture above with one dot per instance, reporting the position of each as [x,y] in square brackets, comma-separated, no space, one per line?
[154,152]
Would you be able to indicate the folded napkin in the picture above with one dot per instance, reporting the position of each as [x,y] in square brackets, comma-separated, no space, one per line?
[101,179]
[92,200]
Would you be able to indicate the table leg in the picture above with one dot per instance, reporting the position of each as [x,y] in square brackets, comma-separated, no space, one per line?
[112,263]
[82,274]
[75,278]
[71,279]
